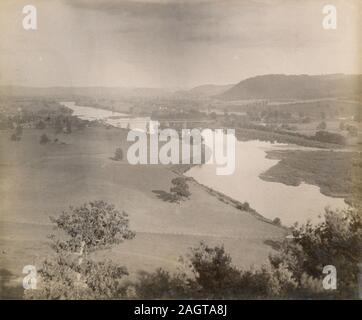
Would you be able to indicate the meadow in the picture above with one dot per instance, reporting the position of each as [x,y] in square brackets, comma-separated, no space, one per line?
[41,180]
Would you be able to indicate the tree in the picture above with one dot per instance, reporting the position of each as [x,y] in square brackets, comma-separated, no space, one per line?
[342,125]
[58,125]
[19,130]
[44,139]
[40,125]
[322,126]
[72,274]
[92,226]
[68,125]
[352,130]
[295,271]
[180,188]
[14,137]
[329,137]
[336,241]
[118,155]
[277,221]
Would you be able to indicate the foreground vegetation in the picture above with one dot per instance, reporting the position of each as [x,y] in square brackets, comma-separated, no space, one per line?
[295,271]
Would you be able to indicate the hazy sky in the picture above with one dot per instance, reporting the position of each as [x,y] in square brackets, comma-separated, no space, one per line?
[164,43]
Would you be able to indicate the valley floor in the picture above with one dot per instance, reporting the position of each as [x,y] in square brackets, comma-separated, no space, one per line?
[38,181]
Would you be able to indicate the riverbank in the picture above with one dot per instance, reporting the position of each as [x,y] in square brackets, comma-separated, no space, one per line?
[243,134]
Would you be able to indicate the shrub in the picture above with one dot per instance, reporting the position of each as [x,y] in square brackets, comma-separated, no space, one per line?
[40,125]
[322,126]
[277,221]
[352,130]
[336,241]
[180,188]
[295,271]
[14,137]
[243,206]
[44,139]
[19,131]
[118,155]
[68,125]
[325,136]
[160,285]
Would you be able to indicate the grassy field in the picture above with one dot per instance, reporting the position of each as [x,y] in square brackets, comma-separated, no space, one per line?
[38,181]
[337,173]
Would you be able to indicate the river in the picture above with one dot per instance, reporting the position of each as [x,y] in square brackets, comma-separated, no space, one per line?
[271,199]
[116,119]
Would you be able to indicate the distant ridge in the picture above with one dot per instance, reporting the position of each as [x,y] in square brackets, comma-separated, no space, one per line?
[66,92]
[271,86]
[206,90]
[280,86]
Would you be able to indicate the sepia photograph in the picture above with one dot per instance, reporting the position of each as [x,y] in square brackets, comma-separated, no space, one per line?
[180,150]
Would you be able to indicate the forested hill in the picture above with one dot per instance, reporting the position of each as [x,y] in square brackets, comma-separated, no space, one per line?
[278,86]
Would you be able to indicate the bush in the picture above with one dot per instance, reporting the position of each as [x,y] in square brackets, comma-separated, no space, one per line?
[325,136]
[19,131]
[277,221]
[44,139]
[118,155]
[14,137]
[180,188]
[295,271]
[40,125]
[352,130]
[322,126]
[337,241]
[68,125]
[160,285]
[243,206]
